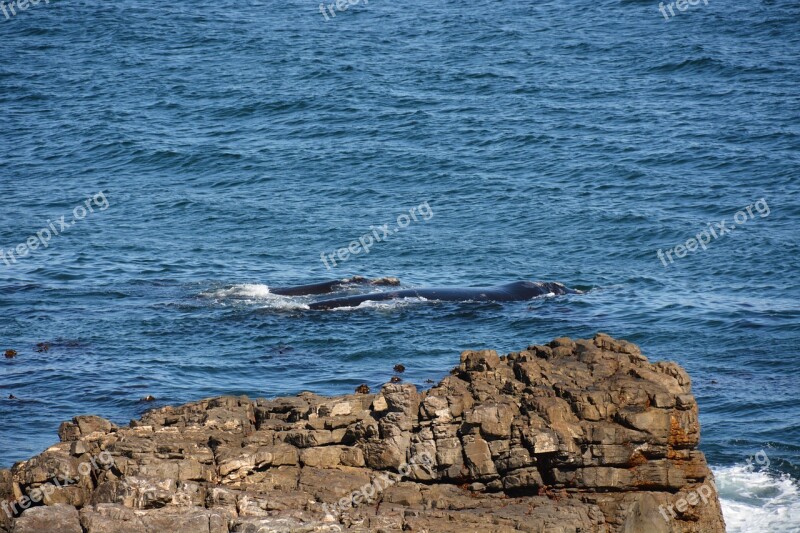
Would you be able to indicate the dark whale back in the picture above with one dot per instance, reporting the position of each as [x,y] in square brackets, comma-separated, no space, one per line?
[327,287]
[532,289]
[510,292]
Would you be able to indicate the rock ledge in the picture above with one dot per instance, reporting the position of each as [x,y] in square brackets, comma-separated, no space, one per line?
[574,436]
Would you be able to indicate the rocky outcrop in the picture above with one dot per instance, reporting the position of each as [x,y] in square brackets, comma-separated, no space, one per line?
[582,435]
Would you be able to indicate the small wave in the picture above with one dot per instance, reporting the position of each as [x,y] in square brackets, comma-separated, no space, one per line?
[699,64]
[384,305]
[283,303]
[244,291]
[254,294]
[758,500]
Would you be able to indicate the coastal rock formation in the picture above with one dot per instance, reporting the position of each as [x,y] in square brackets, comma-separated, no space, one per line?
[582,435]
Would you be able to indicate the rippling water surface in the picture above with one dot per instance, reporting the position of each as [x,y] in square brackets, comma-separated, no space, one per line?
[237,141]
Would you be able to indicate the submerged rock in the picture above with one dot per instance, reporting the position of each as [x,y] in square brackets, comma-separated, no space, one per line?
[577,435]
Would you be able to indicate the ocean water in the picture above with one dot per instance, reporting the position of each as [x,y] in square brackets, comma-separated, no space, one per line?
[206,153]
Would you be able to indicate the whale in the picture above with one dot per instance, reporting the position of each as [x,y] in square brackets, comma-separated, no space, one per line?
[327,287]
[510,292]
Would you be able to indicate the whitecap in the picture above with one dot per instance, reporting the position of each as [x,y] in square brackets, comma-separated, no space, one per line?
[254,294]
[243,291]
[758,500]
[383,305]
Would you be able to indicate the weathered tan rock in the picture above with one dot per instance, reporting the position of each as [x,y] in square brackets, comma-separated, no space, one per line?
[576,435]
[60,518]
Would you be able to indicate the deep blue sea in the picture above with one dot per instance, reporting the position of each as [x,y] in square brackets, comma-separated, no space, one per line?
[208,152]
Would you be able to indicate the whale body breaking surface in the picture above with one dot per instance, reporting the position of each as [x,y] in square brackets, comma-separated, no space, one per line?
[510,292]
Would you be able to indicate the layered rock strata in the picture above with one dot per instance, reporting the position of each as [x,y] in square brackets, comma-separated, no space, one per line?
[574,436]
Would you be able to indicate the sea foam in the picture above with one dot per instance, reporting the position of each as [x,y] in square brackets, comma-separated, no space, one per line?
[254,293]
[757,500]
